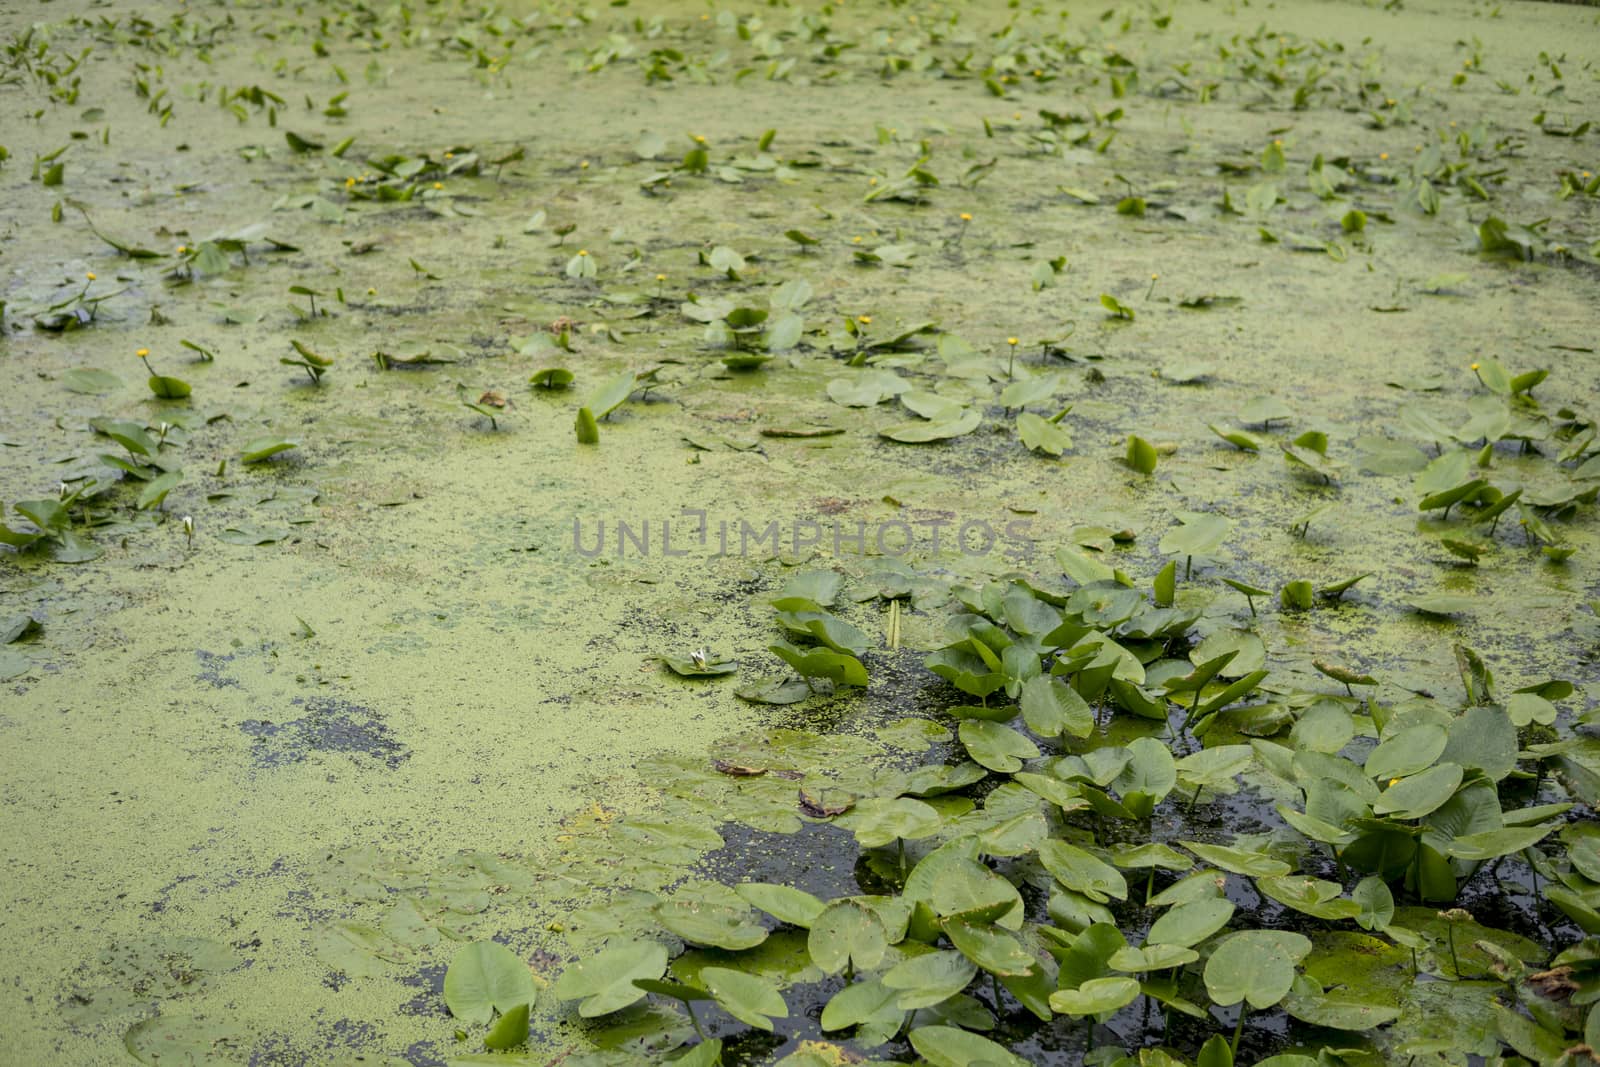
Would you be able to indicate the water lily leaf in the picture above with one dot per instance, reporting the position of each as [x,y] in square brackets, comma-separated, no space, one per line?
[1050,707]
[1190,923]
[552,378]
[1407,751]
[1250,652]
[1042,435]
[705,1054]
[867,388]
[1152,957]
[847,933]
[936,429]
[1337,1012]
[91,380]
[262,448]
[1098,996]
[957,884]
[611,395]
[1326,726]
[1082,872]
[1444,604]
[1201,534]
[1492,844]
[510,1031]
[485,977]
[1140,455]
[839,668]
[1148,777]
[784,903]
[1484,738]
[863,1002]
[988,946]
[995,745]
[13,664]
[948,1046]
[1254,965]
[702,667]
[877,821]
[1248,442]
[703,922]
[929,979]
[750,998]
[1376,902]
[604,982]
[1313,896]
[1416,796]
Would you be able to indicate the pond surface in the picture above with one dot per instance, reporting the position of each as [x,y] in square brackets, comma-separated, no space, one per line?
[400,687]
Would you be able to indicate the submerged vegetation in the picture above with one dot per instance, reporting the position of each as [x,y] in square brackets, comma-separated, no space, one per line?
[1094,512]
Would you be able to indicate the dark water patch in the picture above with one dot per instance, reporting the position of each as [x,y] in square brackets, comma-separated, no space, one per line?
[329,725]
[212,666]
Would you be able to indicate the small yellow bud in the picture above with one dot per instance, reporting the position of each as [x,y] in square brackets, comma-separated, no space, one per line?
[438,185]
[865,320]
[1474,366]
[661,277]
[966,216]
[1012,341]
[584,165]
[89,275]
[143,352]
[583,251]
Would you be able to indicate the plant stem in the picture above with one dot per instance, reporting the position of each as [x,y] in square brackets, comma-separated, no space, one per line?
[1238,1027]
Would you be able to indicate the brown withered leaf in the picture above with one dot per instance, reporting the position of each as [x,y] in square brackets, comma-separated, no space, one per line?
[737,770]
[817,808]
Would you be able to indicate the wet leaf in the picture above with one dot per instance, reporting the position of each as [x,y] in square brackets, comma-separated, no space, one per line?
[1254,965]
[485,977]
[750,998]
[604,982]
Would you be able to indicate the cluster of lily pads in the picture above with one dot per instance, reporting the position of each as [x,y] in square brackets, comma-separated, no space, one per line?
[1046,872]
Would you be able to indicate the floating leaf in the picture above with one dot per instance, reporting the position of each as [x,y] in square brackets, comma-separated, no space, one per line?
[485,977]
[604,982]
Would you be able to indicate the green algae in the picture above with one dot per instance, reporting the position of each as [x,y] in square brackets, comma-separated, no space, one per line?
[221,748]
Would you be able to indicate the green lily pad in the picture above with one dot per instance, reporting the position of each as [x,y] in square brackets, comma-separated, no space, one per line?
[604,982]
[485,977]
[1254,965]
[947,1046]
[750,998]
[1097,996]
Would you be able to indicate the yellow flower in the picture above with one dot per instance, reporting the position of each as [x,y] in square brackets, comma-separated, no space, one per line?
[1474,366]
[698,139]
[438,185]
[865,320]
[348,182]
[1392,781]
[1154,276]
[143,352]
[449,155]
[1277,142]
[89,275]
[966,216]
[182,249]
[873,181]
[1012,341]
[1383,155]
[855,240]
[584,165]
[661,277]
[583,251]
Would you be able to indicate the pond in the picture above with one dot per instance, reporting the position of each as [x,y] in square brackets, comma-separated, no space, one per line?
[913,532]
